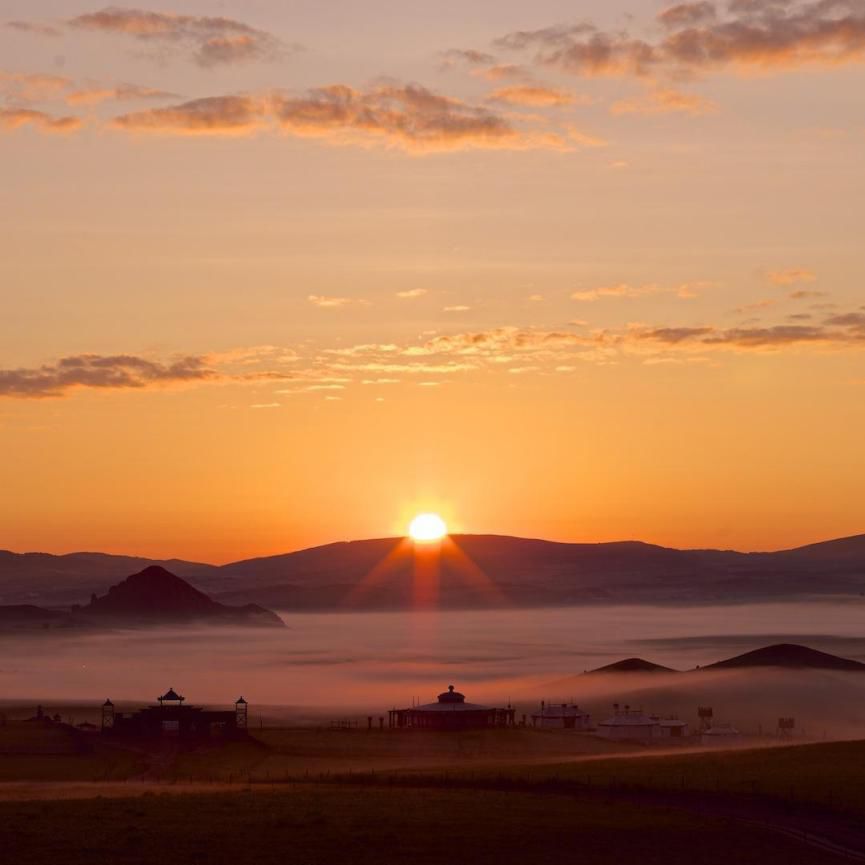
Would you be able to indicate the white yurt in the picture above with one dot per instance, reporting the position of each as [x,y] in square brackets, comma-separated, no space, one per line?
[627,724]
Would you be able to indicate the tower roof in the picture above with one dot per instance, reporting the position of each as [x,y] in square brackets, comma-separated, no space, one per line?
[171,696]
[452,696]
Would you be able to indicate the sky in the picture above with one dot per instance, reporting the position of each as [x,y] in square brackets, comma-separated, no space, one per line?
[276,274]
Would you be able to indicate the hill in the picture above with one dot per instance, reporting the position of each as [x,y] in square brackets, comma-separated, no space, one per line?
[469,571]
[633,665]
[150,597]
[156,595]
[790,656]
[41,578]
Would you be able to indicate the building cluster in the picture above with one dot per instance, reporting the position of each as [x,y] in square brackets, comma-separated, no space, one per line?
[171,717]
[452,712]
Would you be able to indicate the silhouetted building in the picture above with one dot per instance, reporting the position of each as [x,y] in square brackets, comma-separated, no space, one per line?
[629,724]
[171,718]
[451,712]
[562,716]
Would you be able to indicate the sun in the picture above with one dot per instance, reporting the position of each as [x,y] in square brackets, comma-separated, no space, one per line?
[427,527]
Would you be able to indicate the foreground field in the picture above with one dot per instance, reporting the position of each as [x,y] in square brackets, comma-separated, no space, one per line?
[31,752]
[309,796]
[309,824]
[827,775]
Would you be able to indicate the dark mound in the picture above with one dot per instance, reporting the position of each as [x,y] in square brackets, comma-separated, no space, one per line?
[633,665]
[157,595]
[791,656]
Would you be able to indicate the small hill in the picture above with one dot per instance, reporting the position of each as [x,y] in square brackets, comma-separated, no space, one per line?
[633,665]
[790,656]
[156,595]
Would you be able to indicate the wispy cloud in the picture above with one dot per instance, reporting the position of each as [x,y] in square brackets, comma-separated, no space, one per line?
[665,100]
[685,291]
[22,88]
[15,118]
[537,96]
[32,87]
[409,117]
[328,301]
[36,28]
[411,293]
[125,372]
[467,56]
[208,41]
[703,36]
[510,350]
[101,371]
[214,115]
[93,94]
[791,275]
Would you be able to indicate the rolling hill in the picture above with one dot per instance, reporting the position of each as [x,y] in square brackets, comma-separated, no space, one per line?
[789,656]
[472,571]
[633,665]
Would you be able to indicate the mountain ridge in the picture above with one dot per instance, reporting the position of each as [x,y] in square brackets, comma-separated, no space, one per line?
[526,571]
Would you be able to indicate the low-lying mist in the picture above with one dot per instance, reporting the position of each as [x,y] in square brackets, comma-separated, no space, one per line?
[342,663]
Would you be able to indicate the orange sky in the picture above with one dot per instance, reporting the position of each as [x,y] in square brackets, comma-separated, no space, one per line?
[275,275]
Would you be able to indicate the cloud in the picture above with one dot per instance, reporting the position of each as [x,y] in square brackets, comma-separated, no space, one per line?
[802,294]
[530,350]
[409,117]
[209,41]
[126,372]
[685,291]
[34,27]
[94,94]
[687,15]
[26,87]
[456,308]
[854,320]
[31,87]
[583,50]
[504,72]
[100,371]
[753,337]
[749,35]
[15,118]
[212,115]
[412,292]
[790,276]
[536,96]
[468,56]
[328,302]
[665,100]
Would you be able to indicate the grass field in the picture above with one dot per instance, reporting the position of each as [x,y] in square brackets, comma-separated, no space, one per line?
[829,775]
[277,753]
[308,825]
[488,796]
